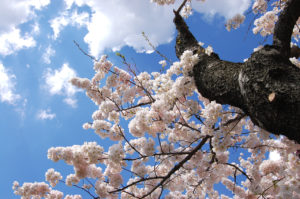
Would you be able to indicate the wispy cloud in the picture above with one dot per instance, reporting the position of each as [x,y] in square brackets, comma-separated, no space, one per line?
[13,14]
[57,83]
[14,41]
[49,52]
[68,18]
[16,12]
[46,114]
[7,86]
[71,101]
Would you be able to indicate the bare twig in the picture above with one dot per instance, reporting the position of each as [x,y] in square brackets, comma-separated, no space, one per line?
[79,187]
[153,48]
[240,170]
[122,134]
[85,53]
[136,182]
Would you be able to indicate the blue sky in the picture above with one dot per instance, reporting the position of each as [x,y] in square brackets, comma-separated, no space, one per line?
[40,109]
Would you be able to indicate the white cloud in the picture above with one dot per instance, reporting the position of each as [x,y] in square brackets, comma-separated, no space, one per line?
[13,41]
[67,18]
[7,86]
[38,4]
[69,3]
[71,101]
[224,8]
[15,12]
[117,23]
[57,83]
[46,115]
[58,23]
[12,14]
[123,24]
[80,19]
[35,28]
[49,52]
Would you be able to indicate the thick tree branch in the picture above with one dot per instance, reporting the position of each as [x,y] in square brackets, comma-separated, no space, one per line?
[266,87]
[284,27]
[295,52]
[185,39]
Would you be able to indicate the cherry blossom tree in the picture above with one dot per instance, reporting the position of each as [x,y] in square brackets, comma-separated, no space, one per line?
[180,139]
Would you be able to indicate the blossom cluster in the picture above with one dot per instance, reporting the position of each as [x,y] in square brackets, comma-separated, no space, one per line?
[266,22]
[260,6]
[53,177]
[36,190]
[235,22]
[163,2]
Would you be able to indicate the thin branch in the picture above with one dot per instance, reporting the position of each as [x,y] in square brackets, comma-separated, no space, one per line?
[240,170]
[158,137]
[134,173]
[237,118]
[90,183]
[161,192]
[137,79]
[180,7]
[180,113]
[136,182]
[274,184]
[153,47]
[87,191]
[135,106]
[158,154]
[213,158]
[122,134]
[86,54]
[188,126]
[179,165]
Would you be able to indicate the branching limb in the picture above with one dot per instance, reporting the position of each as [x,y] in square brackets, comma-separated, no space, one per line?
[178,166]
[79,187]
[185,39]
[136,182]
[240,170]
[284,27]
[85,53]
[180,7]
[248,85]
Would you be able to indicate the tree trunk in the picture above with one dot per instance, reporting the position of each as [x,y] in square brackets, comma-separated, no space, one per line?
[266,87]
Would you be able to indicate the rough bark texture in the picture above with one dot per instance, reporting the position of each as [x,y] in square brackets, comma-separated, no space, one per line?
[266,87]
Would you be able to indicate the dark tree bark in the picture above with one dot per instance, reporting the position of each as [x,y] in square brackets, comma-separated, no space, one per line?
[266,87]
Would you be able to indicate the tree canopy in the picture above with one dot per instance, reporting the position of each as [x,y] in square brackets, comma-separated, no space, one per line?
[187,123]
